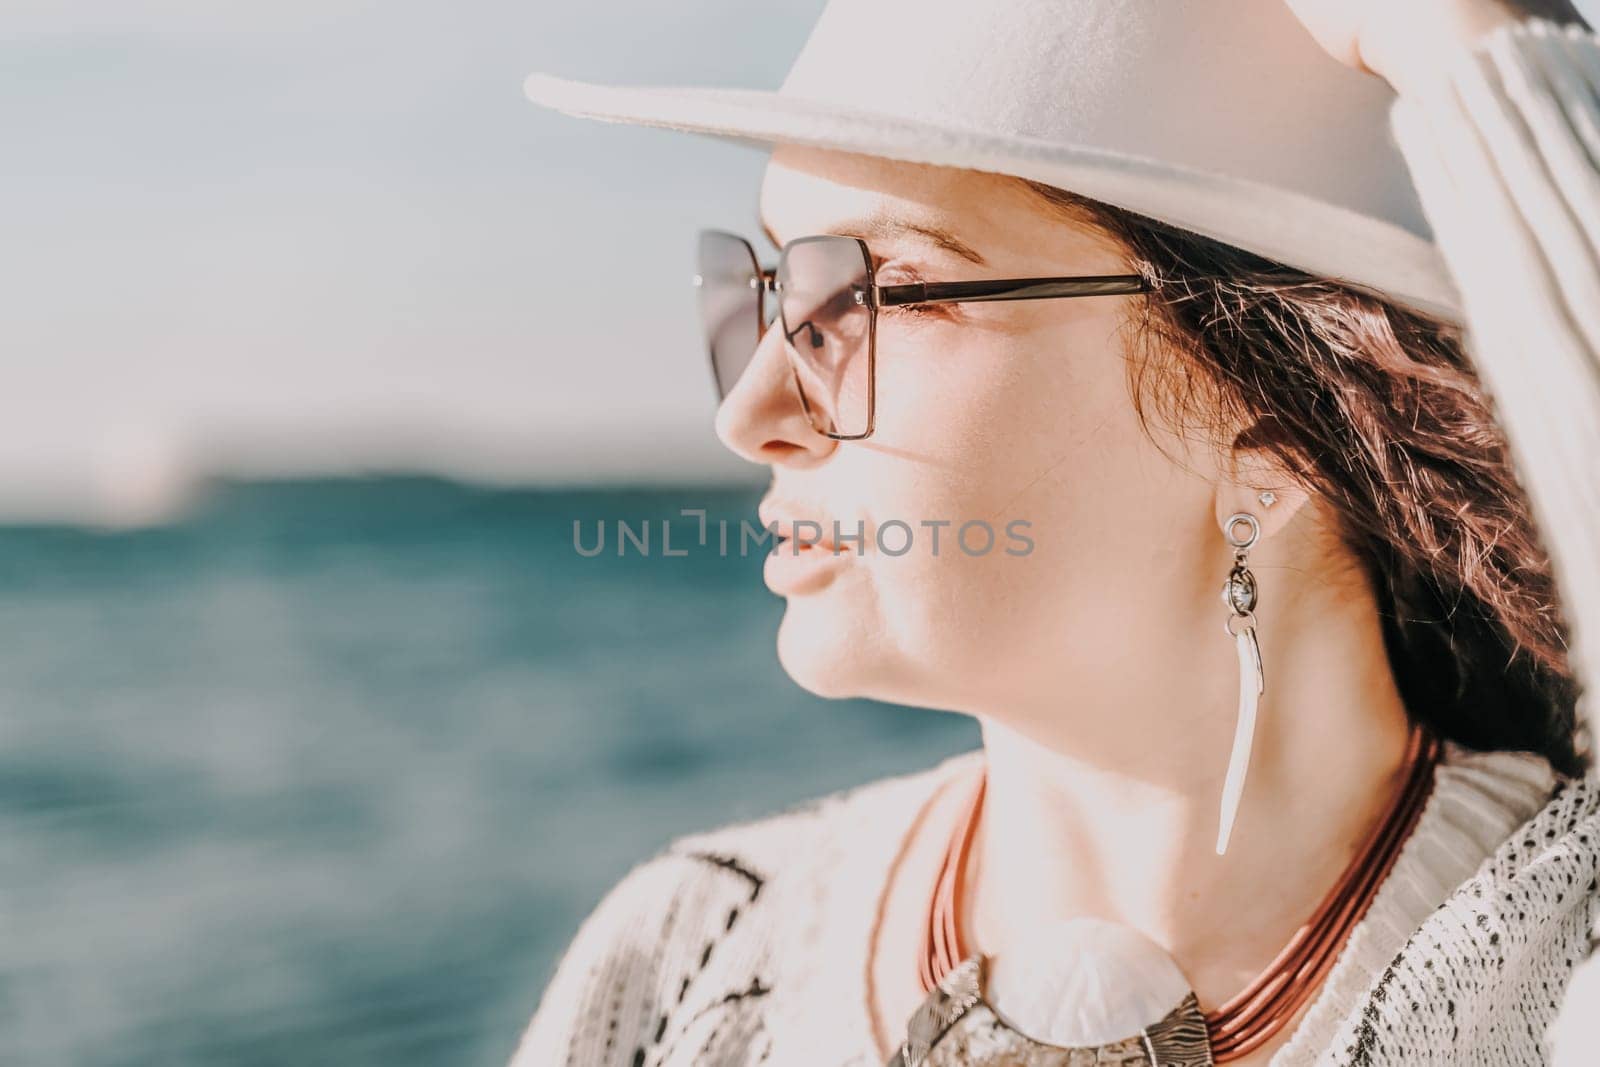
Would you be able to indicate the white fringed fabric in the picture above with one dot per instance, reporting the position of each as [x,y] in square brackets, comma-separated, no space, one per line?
[1505,153]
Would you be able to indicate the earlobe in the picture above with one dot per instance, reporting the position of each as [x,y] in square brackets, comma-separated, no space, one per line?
[1262,488]
[1272,502]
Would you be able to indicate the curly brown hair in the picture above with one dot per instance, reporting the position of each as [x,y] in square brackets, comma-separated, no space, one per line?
[1377,409]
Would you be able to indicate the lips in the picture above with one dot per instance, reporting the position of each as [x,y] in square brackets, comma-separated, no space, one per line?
[783,520]
[805,557]
[803,541]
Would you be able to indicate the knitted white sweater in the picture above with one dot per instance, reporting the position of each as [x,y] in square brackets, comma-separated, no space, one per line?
[747,944]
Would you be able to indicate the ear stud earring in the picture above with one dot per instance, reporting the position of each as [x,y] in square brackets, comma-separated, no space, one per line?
[1267,498]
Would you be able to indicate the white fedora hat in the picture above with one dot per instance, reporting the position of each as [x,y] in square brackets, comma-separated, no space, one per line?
[1220,116]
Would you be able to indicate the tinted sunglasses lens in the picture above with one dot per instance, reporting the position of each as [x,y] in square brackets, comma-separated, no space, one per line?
[729,282]
[822,300]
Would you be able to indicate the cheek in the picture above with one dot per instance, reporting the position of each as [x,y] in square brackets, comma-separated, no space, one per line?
[1033,427]
[951,426]
[992,411]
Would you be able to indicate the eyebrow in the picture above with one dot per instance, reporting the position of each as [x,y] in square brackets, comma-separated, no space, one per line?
[877,226]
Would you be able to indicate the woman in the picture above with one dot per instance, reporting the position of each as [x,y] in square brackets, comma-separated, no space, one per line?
[1355,825]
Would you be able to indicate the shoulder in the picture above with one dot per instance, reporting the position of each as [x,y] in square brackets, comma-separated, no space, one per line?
[1548,865]
[690,929]
[1484,975]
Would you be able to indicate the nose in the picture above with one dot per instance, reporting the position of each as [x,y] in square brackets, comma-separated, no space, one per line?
[762,418]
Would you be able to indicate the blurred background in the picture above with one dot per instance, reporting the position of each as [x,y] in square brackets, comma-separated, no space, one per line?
[317,738]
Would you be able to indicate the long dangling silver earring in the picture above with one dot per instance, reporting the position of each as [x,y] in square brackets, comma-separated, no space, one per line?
[1239,594]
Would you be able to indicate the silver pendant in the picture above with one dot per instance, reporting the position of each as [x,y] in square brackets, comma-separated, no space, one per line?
[956,1027]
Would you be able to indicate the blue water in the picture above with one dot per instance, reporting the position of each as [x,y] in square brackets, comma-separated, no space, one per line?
[328,772]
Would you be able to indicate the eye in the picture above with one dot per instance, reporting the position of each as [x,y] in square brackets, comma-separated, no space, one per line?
[900,273]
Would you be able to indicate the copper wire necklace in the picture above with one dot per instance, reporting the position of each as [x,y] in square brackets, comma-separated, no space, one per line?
[1253,1016]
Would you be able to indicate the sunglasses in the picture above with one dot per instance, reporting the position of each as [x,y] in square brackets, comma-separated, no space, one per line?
[827,306]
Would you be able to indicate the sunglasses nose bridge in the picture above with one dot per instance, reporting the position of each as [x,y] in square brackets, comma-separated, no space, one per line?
[766,283]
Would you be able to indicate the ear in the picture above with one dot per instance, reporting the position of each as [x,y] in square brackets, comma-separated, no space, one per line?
[1253,481]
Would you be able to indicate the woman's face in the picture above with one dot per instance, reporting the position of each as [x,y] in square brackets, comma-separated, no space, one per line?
[1015,414]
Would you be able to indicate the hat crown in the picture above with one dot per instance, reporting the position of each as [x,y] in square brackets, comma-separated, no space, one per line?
[1230,87]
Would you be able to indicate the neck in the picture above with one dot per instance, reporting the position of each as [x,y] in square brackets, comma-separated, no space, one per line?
[1127,832]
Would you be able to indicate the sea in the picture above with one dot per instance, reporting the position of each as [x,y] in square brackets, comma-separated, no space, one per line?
[328,771]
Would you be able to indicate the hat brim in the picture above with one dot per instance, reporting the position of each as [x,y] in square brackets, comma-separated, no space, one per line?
[1291,228]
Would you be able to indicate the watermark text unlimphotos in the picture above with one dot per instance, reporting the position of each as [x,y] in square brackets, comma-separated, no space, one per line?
[895,537]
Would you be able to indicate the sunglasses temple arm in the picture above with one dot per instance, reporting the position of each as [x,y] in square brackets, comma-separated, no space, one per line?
[1010,289]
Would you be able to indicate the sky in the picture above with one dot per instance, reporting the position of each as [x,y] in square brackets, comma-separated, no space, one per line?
[317,237]
[334,235]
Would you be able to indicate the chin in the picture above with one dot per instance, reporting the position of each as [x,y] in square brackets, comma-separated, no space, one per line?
[827,655]
[840,654]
